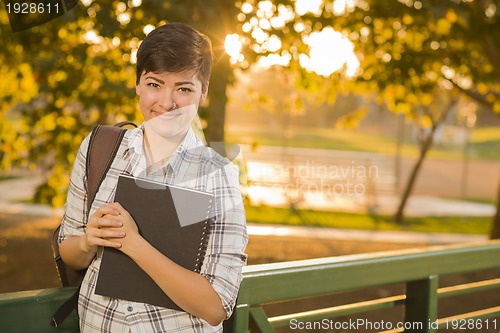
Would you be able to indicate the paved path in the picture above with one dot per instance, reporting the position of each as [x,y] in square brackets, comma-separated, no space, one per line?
[437,178]
[22,188]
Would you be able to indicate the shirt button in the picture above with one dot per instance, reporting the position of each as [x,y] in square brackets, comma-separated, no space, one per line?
[130,309]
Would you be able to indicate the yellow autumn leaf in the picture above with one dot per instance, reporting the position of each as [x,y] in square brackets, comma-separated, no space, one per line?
[68,122]
[65,137]
[59,168]
[407,19]
[443,27]
[451,15]
[6,148]
[71,157]
[404,108]
[59,103]
[27,84]
[62,33]
[387,33]
[482,88]
[425,122]
[426,99]
[58,201]
[60,76]
[400,91]
[48,122]
[496,107]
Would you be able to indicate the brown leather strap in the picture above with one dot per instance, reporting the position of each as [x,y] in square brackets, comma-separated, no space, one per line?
[103,145]
[65,310]
[124,123]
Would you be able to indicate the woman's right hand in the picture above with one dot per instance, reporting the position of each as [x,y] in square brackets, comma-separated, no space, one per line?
[99,228]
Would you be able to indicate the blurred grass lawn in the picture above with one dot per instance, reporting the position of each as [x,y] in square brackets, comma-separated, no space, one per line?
[484,142]
[467,225]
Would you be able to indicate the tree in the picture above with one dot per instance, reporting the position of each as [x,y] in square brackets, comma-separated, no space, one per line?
[452,44]
[77,71]
[436,113]
[67,75]
[410,52]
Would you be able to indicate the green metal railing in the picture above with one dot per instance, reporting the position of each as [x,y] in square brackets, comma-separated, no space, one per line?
[420,269]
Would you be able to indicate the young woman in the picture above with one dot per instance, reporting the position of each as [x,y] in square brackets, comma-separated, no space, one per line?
[173,70]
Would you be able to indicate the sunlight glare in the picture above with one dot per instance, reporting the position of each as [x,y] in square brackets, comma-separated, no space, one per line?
[274,43]
[264,24]
[259,35]
[329,52]
[286,12]
[275,59]
[233,45]
[246,27]
[277,22]
[123,18]
[91,37]
[308,6]
[299,27]
[133,58]
[266,5]
[246,8]
[341,6]
[148,28]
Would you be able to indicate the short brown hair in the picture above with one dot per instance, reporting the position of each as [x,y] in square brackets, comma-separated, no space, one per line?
[175,47]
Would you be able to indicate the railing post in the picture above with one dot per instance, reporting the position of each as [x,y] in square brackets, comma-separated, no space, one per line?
[421,305]
[242,318]
[242,311]
[260,320]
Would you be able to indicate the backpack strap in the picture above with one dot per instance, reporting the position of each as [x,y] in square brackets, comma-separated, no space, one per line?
[103,146]
[65,309]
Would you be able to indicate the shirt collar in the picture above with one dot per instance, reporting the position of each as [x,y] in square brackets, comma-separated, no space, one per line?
[135,143]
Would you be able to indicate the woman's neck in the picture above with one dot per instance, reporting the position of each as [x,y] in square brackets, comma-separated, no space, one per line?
[158,149]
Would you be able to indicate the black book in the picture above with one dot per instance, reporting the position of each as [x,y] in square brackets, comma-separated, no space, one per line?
[172,219]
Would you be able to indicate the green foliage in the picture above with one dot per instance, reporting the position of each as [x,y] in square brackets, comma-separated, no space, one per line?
[62,78]
[410,51]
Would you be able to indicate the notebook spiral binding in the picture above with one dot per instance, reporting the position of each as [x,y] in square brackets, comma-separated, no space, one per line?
[203,243]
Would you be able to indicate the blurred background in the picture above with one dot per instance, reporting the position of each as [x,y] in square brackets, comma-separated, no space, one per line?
[379,120]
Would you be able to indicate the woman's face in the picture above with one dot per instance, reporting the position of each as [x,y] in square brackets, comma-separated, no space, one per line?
[169,101]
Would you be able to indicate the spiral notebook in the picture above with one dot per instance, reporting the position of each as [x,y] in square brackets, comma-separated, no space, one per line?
[172,219]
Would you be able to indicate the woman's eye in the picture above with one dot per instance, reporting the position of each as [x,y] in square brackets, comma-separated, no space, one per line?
[183,89]
[154,85]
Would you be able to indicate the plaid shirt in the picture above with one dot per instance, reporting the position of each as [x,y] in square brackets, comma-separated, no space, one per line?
[193,166]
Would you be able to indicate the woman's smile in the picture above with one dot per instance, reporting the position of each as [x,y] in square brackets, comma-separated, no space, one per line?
[166,115]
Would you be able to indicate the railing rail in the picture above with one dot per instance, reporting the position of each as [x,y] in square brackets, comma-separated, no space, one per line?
[420,269]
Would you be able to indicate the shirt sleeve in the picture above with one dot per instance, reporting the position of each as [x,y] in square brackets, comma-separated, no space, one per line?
[75,209]
[225,255]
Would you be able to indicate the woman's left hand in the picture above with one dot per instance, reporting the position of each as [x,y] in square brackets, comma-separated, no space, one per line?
[129,227]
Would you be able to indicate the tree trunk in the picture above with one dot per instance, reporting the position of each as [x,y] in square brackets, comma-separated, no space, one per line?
[217,97]
[224,11]
[426,144]
[495,230]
